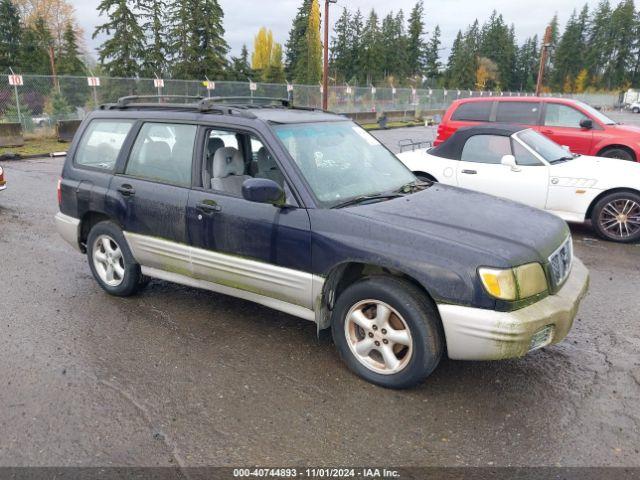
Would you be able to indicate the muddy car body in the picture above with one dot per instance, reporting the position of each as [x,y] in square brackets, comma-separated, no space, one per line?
[304,212]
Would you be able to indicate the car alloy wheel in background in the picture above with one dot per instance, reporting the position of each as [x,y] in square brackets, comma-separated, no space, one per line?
[619,219]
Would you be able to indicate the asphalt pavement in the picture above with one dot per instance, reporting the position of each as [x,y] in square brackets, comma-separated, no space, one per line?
[177,376]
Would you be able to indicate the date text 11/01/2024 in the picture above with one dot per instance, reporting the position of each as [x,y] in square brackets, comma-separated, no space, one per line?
[316,472]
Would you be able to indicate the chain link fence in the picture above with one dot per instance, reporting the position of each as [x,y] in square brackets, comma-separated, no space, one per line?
[43,100]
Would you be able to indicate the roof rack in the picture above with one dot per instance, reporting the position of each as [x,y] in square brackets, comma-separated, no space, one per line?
[247,102]
[232,105]
[124,101]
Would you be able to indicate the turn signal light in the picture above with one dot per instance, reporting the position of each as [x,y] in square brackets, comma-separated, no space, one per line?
[59,191]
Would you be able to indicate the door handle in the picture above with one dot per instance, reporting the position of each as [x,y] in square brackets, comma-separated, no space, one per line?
[126,190]
[547,132]
[208,208]
[470,172]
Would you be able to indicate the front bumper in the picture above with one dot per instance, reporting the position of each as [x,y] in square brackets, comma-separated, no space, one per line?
[479,334]
[69,229]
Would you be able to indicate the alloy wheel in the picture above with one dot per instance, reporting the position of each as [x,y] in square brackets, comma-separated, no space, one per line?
[620,218]
[378,337]
[108,260]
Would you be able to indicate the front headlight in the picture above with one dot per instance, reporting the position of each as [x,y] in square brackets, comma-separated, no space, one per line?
[514,283]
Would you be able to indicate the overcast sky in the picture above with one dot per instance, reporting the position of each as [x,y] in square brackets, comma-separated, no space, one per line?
[243,18]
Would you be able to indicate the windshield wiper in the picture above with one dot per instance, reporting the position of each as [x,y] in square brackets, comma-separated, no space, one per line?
[365,198]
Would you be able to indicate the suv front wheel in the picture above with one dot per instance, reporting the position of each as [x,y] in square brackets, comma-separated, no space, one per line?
[387,331]
[111,261]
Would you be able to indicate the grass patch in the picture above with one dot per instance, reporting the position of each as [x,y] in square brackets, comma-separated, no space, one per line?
[36,146]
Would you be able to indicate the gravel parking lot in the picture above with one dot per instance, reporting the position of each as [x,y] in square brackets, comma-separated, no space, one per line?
[177,376]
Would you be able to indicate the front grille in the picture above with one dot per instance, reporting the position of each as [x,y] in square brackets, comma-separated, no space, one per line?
[560,263]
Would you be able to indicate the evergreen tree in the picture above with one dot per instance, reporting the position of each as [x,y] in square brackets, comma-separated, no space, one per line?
[498,45]
[274,73]
[34,49]
[416,48]
[295,46]
[568,58]
[526,69]
[370,51]
[240,69]
[309,66]
[341,47]
[154,57]
[464,63]
[69,62]
[10,35]
[453,63]
[197,39]
[357,27]
[433,55]
[622,30]
[599,40]
[120,55]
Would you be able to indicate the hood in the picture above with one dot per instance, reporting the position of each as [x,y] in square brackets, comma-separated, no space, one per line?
[500,232]
[625,128]
[601,173]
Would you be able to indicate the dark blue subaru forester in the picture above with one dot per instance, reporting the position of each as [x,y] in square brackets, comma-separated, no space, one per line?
[305,212]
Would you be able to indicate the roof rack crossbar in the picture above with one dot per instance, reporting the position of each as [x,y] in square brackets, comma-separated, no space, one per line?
[246,102]
[124,101]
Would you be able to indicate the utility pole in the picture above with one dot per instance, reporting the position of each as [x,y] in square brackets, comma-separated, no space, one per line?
[325,65]
[544,55]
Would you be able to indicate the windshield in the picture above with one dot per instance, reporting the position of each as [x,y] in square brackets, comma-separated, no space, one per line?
[601,117]
[544,147]
[341,161]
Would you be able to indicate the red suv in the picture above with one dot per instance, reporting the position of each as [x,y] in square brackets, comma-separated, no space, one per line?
[582,128]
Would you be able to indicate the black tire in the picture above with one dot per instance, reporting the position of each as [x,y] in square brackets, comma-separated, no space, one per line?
[603,218]
[132,280]
[618,152]
[635,110]
[420,317]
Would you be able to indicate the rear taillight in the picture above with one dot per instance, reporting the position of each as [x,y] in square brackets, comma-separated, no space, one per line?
[59,191]
[1,175]
[440,130]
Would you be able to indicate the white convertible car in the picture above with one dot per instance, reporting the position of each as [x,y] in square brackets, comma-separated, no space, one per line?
[522,165]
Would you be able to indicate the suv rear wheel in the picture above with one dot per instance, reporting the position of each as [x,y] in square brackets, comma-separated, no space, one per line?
[111,261]
[617,217]
[387,331]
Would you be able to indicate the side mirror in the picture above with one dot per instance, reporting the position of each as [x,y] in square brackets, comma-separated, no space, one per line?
[263,190]
[586,123]
[510,161]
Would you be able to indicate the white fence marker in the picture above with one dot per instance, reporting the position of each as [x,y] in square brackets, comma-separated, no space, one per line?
[16,80]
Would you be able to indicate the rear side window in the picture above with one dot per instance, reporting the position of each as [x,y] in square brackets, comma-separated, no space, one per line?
[486,149]
[518,112]
[101,143]
[473,112]
[163,152]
